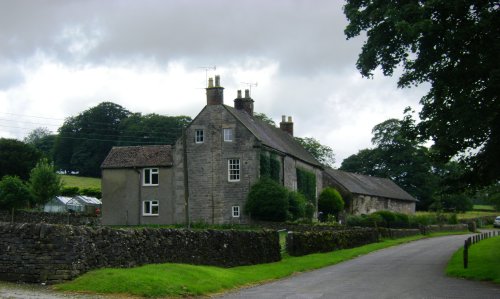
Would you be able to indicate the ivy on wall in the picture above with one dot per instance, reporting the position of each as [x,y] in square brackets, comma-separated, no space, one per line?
[306,184]
[270,166]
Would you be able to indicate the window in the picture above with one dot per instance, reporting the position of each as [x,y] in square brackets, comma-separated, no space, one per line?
[236,211]
[198,136]
[233,170]
[150,208]
[228,135]
[151,176]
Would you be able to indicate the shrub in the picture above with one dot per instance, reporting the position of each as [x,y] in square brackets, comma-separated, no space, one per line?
[306,184]
[296,205]
[13,193]
[267,200]
[70,191]
[94,192]
[330,202]
[44,182]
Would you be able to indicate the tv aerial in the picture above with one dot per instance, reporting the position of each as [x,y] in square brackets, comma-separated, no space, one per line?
[207,68]
[250,85]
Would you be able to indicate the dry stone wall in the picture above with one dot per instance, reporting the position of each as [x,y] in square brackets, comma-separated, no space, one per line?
[54,218]
[54,253]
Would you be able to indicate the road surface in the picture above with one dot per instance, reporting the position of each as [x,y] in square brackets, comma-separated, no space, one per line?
[413,270]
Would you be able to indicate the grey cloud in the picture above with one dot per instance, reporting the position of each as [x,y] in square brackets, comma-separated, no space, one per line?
[304,36]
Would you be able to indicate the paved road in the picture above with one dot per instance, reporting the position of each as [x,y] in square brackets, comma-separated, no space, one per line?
[413,270]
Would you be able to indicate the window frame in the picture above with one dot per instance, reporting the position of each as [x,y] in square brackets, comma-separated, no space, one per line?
[199,138]
[233,173]
[152,171]
[235,211]
[152,204]
[231,134]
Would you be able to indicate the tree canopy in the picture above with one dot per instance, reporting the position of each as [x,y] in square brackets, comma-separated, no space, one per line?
[453,45]
[323,153]
[43,140]
[44,182]
[13,193]
[17,158]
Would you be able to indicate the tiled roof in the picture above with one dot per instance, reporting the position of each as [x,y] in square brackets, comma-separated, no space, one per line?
[138,156]
[368,185]
[273,137]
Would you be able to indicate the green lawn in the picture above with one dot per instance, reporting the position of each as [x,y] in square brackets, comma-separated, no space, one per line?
[159,280]
[484,207]
[466,215]
[81,182]
[484,262]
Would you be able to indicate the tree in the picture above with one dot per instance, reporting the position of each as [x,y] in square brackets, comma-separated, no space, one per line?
[400,158]
[323,153]
[152,129]
[330,202]
[263,117]
[453,45]
[17,158]
[43,140]
[13,193]
[85,140]
[267,201]
[44,182]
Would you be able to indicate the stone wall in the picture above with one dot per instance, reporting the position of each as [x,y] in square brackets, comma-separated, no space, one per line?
[302,243]
[364,204]
[54,253]
[397,233]
[45,217]
[444,228]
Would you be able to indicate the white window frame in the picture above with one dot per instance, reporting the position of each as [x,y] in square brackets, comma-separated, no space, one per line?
[235,211]
[228,134]
[233,170]
[199,136]
[148,208]
[148,174]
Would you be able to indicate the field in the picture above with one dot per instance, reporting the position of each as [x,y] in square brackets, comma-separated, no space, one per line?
[81,182]
[483,262]
[466,215]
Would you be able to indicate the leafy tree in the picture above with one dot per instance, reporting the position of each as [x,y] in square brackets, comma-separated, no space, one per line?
[330,202]
[263,117]
[43,140]
[152,129]
[399,158]
[267,200]
[323,153]
[296,205]
[85,140]
[17,158]
[458,202]
[13,193]
[453,45]
[44,182]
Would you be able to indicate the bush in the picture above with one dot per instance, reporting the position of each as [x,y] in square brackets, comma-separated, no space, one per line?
[330,202]
[44,182]
[296,205]
[13,193]
[93,192]
[267,201]
[70,191]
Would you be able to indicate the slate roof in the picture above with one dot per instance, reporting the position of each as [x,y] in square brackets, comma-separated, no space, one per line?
[273,137]
[368,185]
[138,156]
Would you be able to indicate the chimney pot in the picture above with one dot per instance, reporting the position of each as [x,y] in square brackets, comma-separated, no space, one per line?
[217,81]
[286,126]
[215,94]
[283,118]
[289,119]
[210,82]
[239,94]
[247,93]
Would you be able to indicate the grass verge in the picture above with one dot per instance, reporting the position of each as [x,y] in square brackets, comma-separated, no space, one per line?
[81,182]
[483,262]
[176,280]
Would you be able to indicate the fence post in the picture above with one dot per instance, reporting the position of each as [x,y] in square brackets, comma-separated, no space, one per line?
[466,255]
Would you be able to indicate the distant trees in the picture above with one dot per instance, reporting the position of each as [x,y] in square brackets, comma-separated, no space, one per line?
[13,193]
[323,153]
[43,140]
[84,140]
[17,158]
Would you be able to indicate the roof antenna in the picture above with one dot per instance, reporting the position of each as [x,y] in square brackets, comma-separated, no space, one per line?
[207,68]
[250,85]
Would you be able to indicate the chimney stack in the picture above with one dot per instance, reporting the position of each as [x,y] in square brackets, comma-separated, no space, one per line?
[215,94]
[245,103]
[286,126]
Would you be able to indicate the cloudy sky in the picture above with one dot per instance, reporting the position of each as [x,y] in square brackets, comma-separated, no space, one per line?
[58,58]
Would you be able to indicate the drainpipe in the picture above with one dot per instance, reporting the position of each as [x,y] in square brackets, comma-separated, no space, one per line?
[186,178]
[139,219]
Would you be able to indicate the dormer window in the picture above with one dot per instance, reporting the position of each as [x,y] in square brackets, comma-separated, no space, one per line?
[199,136]
[151,176]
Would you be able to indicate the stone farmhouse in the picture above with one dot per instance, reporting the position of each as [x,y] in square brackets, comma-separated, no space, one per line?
[367,194]
[206,176]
